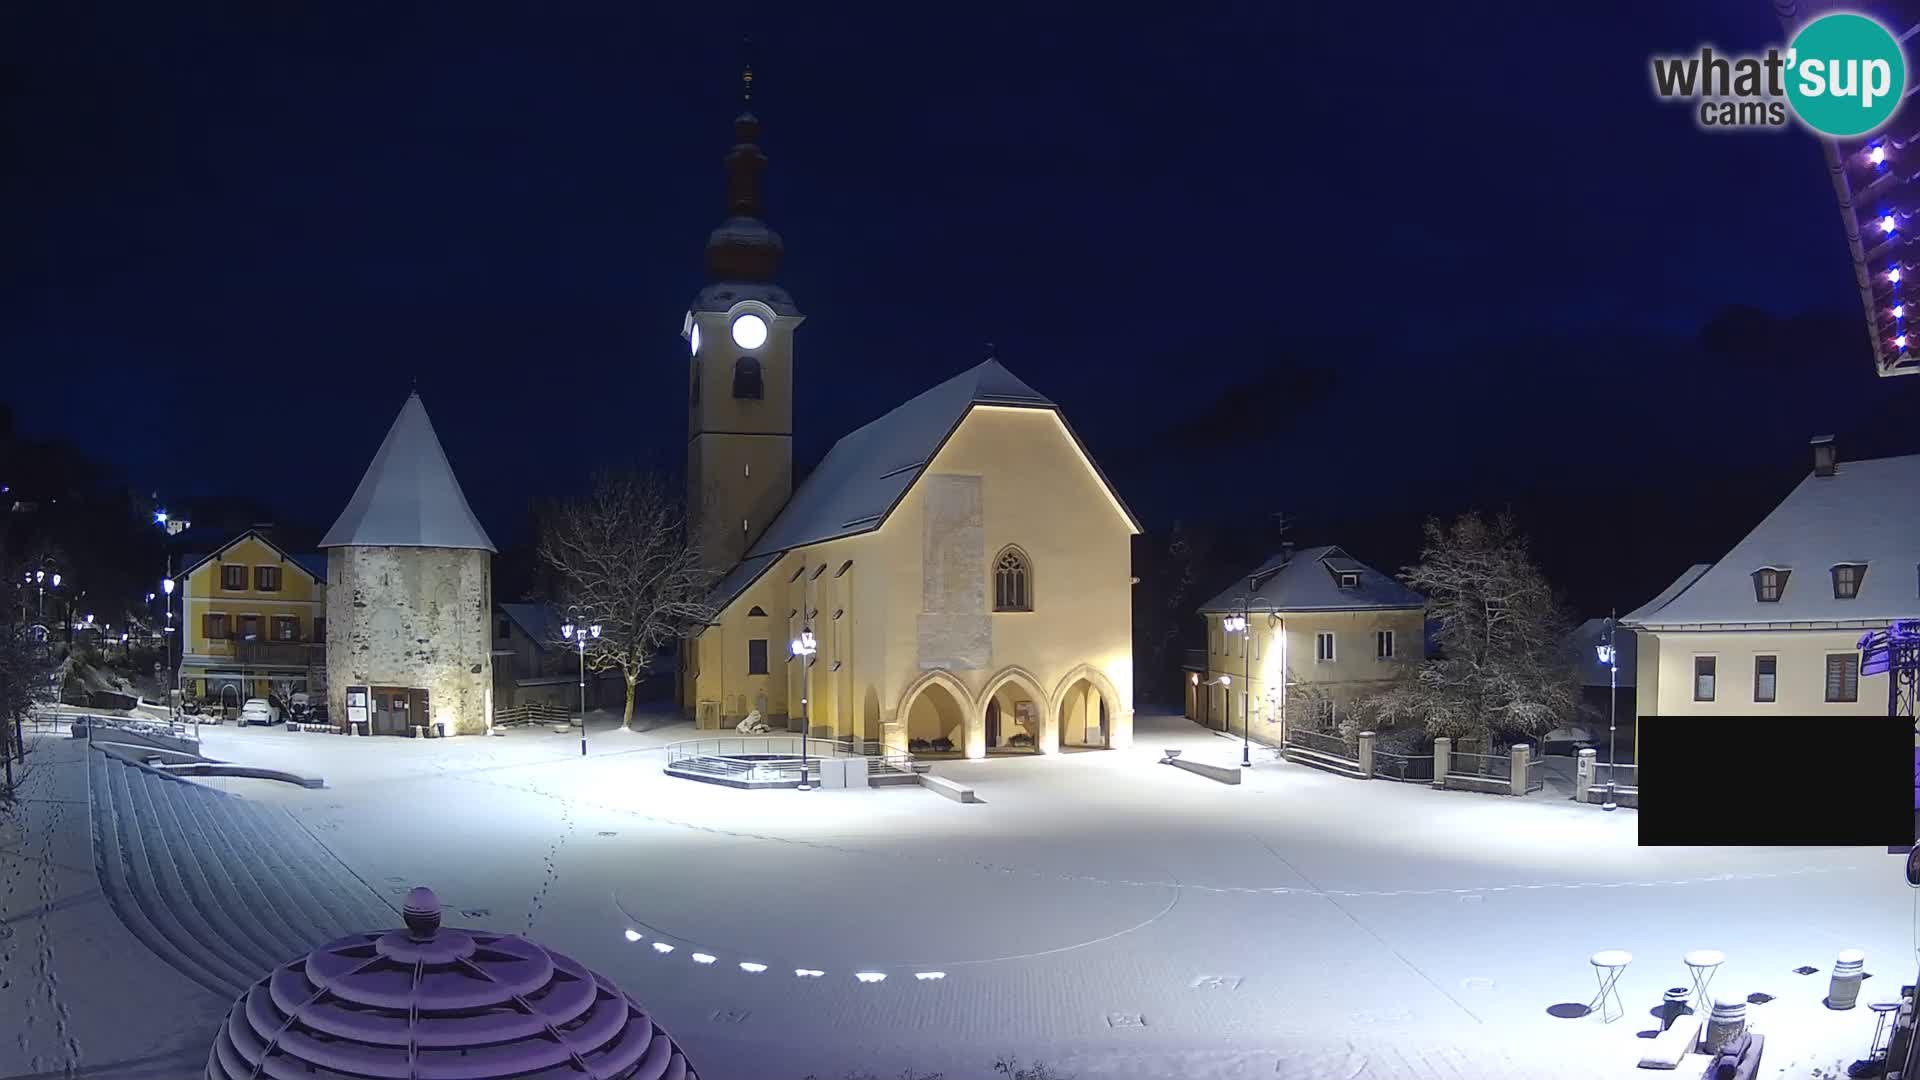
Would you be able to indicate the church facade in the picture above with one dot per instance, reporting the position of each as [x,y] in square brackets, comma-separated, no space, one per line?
[955,576]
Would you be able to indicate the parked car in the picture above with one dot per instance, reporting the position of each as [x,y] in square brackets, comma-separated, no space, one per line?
[258,711]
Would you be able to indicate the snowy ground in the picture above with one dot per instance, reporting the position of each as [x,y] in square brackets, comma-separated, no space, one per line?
[1112,916]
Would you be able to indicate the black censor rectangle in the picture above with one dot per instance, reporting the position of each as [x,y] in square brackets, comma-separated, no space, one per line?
[1768,781]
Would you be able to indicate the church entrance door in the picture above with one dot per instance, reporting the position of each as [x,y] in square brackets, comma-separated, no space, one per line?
[390,713]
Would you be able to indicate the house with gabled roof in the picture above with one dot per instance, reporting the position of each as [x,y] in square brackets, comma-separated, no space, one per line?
[1309,630]
[954,576]
[253,621]
[1775,624]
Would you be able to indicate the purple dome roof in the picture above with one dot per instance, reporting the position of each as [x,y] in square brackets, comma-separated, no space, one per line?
[427,1003]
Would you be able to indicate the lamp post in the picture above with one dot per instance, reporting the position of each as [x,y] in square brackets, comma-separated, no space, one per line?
[1241,624]
[173,694]
[1612,659]
[578,632]
[803,648]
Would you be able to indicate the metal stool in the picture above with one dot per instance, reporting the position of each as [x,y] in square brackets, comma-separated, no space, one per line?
[1883,1011]
[1607,966]
[1703,963]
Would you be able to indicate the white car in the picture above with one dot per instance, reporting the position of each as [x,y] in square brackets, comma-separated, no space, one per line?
[258,711]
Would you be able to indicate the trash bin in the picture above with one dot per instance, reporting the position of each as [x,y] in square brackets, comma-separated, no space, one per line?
[1844,990]
[439,730]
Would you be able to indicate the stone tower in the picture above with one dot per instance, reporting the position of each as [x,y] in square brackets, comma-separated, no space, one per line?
[740,381]
[410,591]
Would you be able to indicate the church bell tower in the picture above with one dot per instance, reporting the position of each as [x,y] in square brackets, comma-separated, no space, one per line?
[739,332]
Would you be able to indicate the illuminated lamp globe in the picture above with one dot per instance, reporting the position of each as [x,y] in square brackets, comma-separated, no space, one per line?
[693,339]
[749,331]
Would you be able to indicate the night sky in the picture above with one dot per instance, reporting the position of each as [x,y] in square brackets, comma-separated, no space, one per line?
[1387,256]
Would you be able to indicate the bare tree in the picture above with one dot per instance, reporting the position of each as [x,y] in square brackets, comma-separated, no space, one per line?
[1502,669]
[25,670]
[623,555]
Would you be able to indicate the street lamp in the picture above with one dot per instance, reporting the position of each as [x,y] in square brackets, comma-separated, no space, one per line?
[1610,658]
[1237,624]
[579,634]
[803,649]
[173,702]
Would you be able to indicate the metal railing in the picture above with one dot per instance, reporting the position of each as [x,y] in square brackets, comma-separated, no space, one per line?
[1536,773]
[1321,742]
[758,745]
[1413,768]
[1625,784]
[1481,766]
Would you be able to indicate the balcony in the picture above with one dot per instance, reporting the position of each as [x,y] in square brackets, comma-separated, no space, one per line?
[300,654]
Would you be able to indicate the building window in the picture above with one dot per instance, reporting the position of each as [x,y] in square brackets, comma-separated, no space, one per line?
[214,625]
[1843,677]
[1769,583]
[1323,647]
[1349,581]
[756,611]
[320,629]
[746,378]
[693,395]
[1383,644]
[1703,677]
[266,579]
[233,578]
[757,656]
[1766,683]
[1846,580]
[1012,581]
[286,628]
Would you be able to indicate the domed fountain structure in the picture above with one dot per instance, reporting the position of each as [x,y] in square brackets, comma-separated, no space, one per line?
[441,1003]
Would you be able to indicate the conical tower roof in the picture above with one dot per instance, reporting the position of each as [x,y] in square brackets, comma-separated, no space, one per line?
[409,497]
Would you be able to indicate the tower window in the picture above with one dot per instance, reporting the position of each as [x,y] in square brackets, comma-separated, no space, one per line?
[746,378]
[757,656]
[1012,581]
[693,395]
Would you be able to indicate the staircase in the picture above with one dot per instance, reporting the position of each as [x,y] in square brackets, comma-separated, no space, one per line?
[222,889]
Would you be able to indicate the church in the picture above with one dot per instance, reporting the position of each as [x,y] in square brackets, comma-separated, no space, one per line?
[955,577]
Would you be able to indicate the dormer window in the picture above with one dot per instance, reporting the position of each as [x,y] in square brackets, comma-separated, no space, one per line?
[1769,583]
[1846,580]
[1349,581]
[746,378]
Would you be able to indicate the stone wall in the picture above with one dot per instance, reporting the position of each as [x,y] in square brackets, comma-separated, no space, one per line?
[413,617]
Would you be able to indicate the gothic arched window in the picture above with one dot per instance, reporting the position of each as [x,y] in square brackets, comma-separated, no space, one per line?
[1012,581]
[746,378]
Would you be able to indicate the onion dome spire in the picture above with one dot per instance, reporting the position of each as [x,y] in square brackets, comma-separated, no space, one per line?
[743,248]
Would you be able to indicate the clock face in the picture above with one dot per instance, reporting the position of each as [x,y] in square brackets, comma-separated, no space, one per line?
[693,339]
[749,331]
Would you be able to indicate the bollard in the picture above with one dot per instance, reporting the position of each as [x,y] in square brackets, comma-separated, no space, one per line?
[1583,774]
[1844,990]
[1674,1006]
[1729,1019]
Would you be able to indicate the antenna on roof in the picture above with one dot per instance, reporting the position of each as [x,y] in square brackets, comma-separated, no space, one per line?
[990,352]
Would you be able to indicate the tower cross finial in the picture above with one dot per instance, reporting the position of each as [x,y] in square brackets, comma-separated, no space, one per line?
[746,70]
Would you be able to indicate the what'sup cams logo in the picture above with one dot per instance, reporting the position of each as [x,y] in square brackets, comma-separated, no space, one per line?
[1842,75]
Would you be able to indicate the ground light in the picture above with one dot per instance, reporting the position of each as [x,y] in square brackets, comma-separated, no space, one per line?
[752,968]
[870,976]
[633,935]
[662,948]
[923,976]
[807,973]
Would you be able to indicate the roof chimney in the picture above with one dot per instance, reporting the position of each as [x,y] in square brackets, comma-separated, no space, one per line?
[1286,551]
[1826,456]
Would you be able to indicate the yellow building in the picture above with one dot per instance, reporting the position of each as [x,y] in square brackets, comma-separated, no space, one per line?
[253,620]
[1775,625]
[959,568]
[1307,632]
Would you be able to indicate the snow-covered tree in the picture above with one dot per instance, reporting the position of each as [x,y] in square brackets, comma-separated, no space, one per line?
[623,556]
[1501,670]
[25,665]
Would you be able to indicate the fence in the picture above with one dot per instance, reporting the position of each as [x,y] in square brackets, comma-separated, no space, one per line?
[533,712]
[1624,782]
[1413,768]
[1321,742]
[1536,773]
[1497,767]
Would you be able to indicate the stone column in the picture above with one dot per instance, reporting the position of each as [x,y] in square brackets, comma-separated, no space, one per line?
[1583,775]
[974,731]
[1366,754]
[1049,740]
[1442,759]
[1520,754]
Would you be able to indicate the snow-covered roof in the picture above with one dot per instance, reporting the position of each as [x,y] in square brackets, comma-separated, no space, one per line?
[722,295]
[1594,632]
[314,564]
[870,470]
[1309,580]
[409,497]
[540,622]
[1867,513]
[1679,585]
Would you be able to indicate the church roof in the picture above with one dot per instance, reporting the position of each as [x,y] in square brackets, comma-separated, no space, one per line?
[870,469]
[409,497]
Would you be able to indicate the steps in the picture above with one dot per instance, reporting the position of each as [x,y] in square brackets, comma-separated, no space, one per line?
[1300,755]
[220,888]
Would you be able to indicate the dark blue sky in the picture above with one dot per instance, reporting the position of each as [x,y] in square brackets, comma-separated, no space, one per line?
[234,235]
